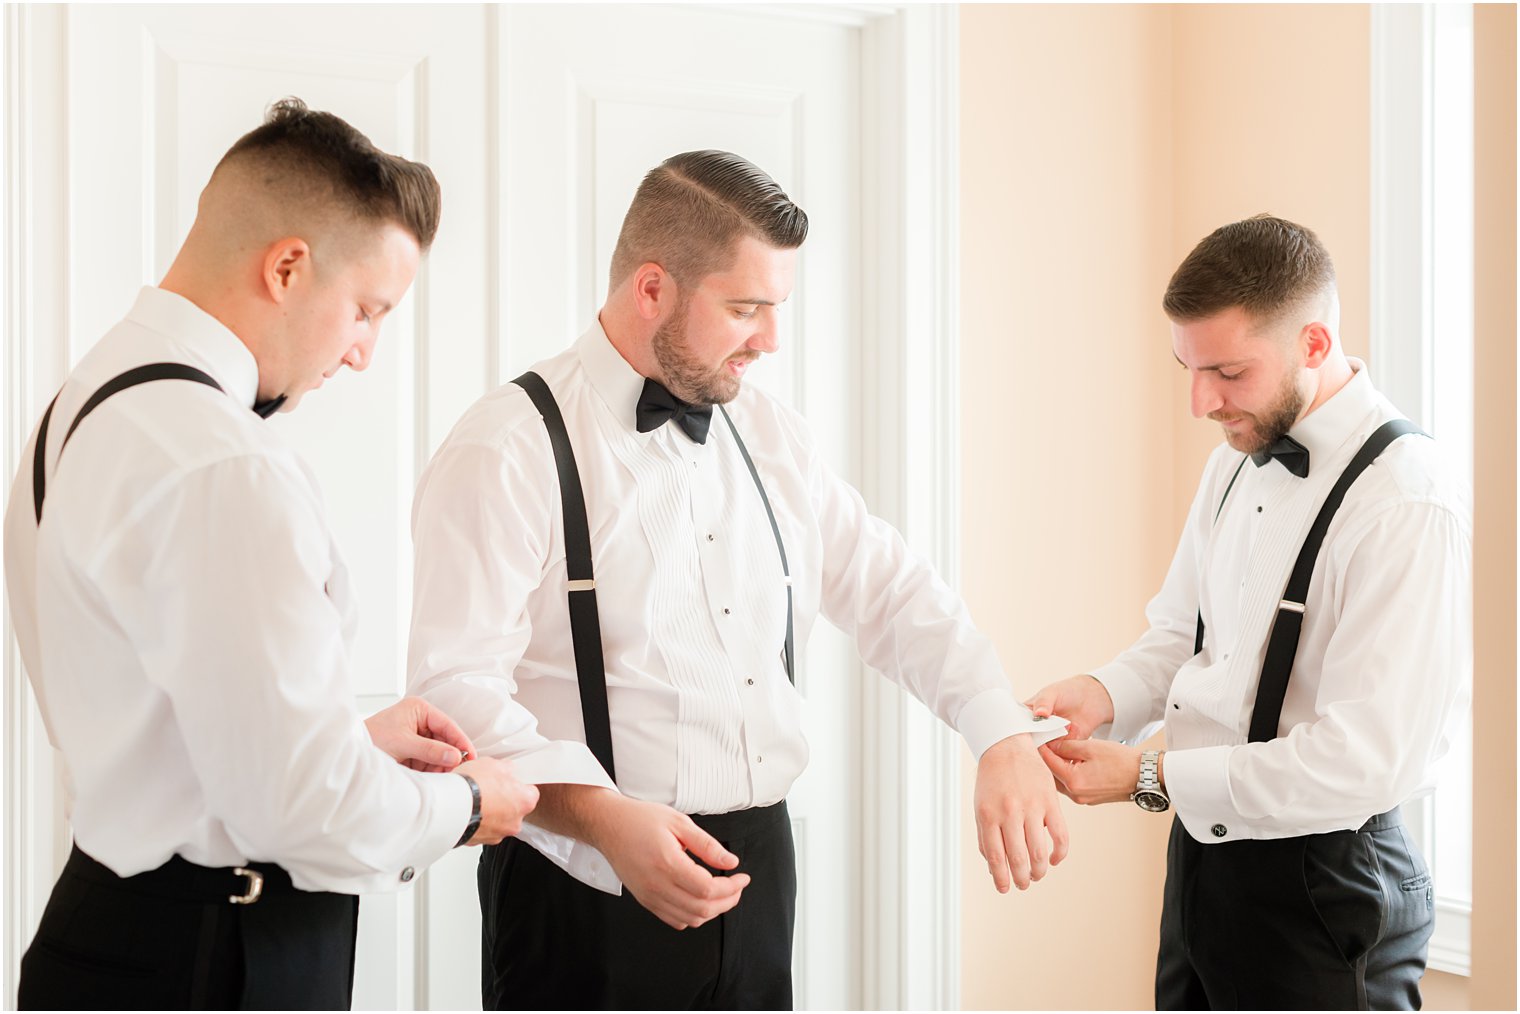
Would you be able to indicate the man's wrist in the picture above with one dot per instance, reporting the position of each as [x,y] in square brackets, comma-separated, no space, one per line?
[475,814]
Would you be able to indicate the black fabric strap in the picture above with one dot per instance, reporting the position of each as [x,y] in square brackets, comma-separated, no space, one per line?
[787,651]
[1286,628]
[1198,638]
[131,378]
[585,622]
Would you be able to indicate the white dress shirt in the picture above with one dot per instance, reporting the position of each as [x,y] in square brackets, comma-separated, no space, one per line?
[1384,664]
[185,620]
[690,590]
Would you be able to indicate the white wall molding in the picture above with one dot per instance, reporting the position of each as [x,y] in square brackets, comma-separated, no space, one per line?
[1421,243]
[911,476]
[35,270]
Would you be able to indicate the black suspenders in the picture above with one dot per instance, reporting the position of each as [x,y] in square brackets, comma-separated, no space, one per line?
[131,378]
[1282,645]
[585,624]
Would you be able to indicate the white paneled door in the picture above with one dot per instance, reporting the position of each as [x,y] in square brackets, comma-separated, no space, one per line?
[539,122]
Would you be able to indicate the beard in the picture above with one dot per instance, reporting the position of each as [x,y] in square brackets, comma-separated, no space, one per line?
[1272,423]
[689,378]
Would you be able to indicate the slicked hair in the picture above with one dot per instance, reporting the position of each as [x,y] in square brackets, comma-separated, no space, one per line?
[341,165]
[691,210]
[1266,266]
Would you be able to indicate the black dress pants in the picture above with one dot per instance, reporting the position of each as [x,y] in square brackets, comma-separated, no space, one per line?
[166,940]
[551,942]
[1337,921]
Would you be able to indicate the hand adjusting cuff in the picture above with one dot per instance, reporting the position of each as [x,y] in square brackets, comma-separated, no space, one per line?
[474,824]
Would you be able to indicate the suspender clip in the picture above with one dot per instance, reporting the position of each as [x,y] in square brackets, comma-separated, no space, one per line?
[255,887]
[584,584]
[1292,607]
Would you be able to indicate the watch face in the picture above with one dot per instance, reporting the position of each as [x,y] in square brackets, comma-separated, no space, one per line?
[1153,802]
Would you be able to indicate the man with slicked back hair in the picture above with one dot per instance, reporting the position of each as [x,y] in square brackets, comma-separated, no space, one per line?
[1310,654]
[185,617]
[619,558]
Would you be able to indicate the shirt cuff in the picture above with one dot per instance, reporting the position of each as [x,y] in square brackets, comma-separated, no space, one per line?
[993,715]
[560,762]
[576,858]
[1132,704]
[1198,782]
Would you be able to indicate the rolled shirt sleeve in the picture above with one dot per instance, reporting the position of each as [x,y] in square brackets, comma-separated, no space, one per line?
[221,583]
[480,526]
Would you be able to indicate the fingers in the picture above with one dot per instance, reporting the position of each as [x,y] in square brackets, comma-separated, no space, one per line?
[434,724]
[1018,854]
[1060,840]
[704,846]
[1043,704]
[989,839]
[1038,844]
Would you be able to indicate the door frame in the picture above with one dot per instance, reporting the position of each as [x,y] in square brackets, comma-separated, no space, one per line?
[911,785]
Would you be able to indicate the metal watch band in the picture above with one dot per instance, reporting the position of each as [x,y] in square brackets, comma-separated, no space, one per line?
[474,824]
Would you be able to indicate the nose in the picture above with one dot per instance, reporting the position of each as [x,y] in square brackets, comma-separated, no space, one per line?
[767,336]
[1205,395]
[359,356]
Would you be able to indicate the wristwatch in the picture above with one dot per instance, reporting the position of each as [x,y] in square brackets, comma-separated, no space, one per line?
[475,814]
[1149,795]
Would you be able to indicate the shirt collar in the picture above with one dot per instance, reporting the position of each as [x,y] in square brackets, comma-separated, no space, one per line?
[618,383]
[202,338]
[1325,429]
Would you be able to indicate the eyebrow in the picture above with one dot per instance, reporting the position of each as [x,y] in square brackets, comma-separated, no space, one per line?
[1215,367]
[751,302]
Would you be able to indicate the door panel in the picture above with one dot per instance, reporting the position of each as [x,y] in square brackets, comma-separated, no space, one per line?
[539,122]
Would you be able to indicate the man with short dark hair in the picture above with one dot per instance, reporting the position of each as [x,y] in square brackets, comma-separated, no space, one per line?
[618,559]
[185,617]
[1309,654]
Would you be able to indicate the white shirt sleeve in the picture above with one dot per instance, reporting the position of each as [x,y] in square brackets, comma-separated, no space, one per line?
[1396,669]
[219,582]
[481,526]
[909,624]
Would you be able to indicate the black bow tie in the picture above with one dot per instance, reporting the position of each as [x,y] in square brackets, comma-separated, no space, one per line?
[657,405]
[265,409]
[1293,455]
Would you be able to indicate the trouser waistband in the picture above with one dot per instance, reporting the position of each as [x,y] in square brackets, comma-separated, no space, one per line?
[181,880]
[740,823]
[1383,821]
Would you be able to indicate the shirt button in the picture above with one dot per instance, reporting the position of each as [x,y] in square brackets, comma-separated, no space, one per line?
[1258,509]
[407,875]
[725,610]
[710,536]
[759,759]
[749,682]
[1219,830]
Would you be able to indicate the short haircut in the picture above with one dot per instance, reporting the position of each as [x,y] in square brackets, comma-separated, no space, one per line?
[323,157]
[1266,266]
[691,210]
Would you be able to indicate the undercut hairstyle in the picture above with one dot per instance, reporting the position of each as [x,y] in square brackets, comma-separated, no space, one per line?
[321,157]
[1267,266]
[691,210]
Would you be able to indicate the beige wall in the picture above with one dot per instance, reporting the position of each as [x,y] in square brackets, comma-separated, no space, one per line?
[1098,144]
[1066,243]
[1493,923]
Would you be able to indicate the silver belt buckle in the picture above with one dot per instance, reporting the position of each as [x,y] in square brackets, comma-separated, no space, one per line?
[255,887]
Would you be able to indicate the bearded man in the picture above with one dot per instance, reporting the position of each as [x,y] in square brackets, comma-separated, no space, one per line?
[653,697]
[1310,654]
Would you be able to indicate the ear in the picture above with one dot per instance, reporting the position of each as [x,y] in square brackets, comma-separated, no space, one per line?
[654,291]
[1316,341]
[286,264]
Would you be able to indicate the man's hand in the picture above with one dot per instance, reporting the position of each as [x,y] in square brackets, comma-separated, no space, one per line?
[1019,827]
[504,801]
[419,735]
[1081,700]
[1093,771]
[648,845]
